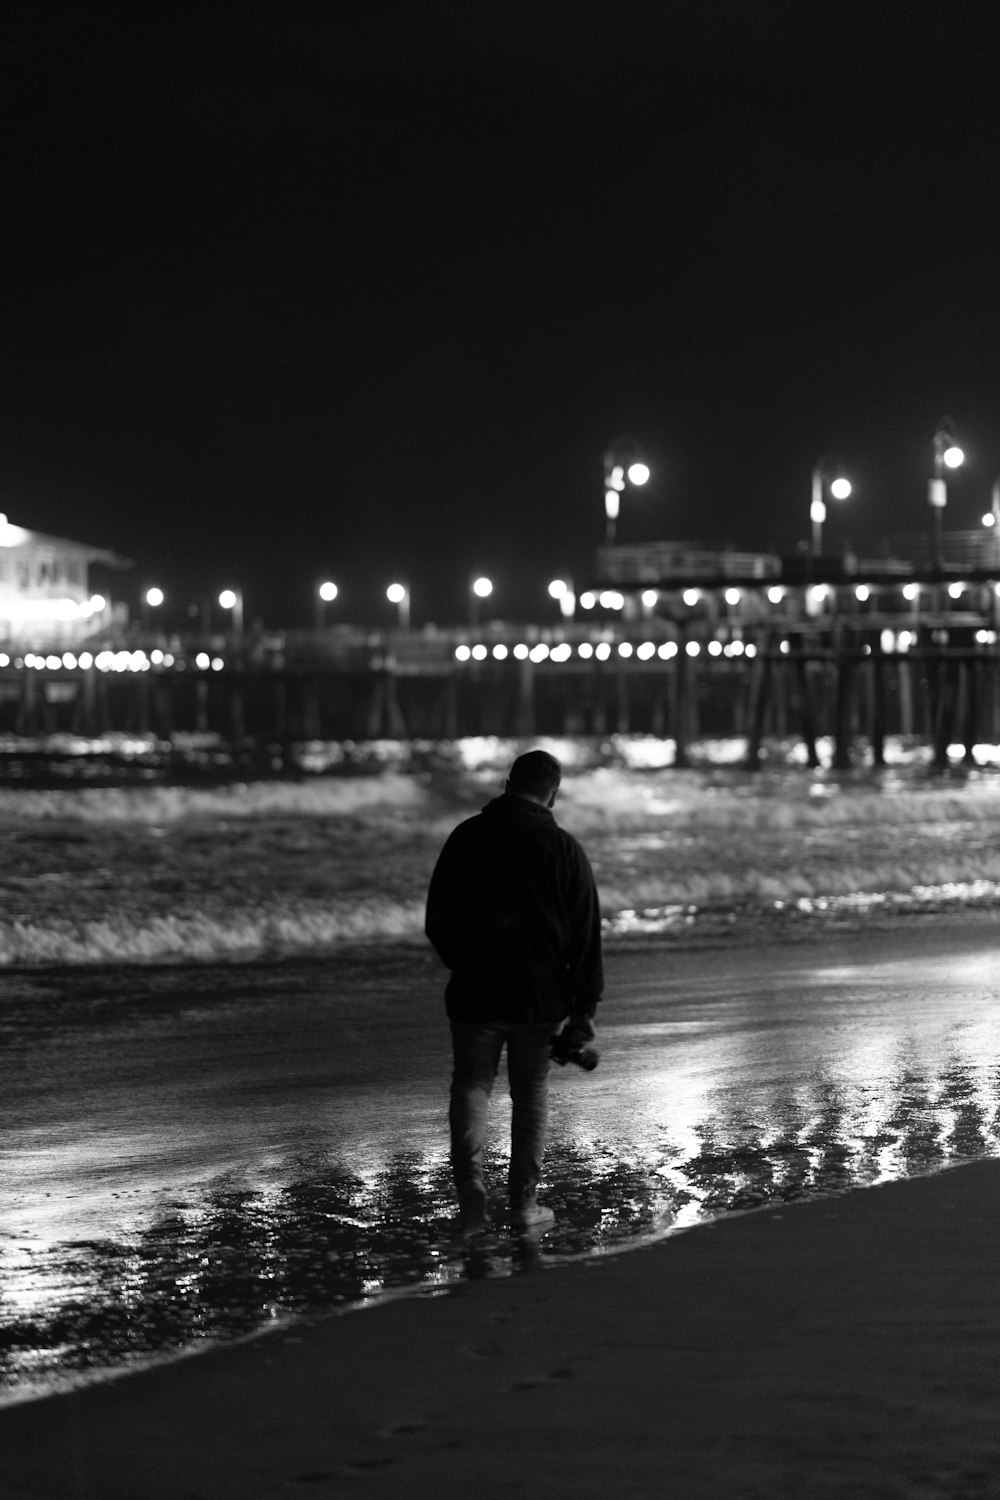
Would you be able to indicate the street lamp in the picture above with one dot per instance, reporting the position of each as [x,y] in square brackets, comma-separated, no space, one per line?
[325,594]
[992,517]
[623,465]
[481,588]
[399,594]
[824,478]
[561,590]
[152,599]
[947,455]
[232,599]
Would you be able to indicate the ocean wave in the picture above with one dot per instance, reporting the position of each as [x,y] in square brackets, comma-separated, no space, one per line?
[285,927]
[952,880]
[329,797]
[603,801]
[192,936]
[594,800]
[165,872]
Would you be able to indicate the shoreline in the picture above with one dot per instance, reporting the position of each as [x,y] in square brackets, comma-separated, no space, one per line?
[713,928]
[845,1345]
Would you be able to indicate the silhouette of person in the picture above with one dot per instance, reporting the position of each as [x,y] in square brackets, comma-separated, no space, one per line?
[513,913]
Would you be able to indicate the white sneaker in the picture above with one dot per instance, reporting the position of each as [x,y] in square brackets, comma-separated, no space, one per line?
[532,1216]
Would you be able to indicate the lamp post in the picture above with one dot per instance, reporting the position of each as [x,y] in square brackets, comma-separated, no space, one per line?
[561,589]
[824,478]
[992,516]
[480,588]
[622,465]
[325,594]
[947,455]
[232,599]
[399,594]
[152,598]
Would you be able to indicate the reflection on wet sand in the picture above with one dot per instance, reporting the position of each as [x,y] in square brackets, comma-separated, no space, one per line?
[305,1233]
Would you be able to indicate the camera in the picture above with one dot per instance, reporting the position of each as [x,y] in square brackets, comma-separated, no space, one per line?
[571,1046]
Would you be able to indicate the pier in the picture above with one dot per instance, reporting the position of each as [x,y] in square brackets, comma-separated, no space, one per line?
[724,644]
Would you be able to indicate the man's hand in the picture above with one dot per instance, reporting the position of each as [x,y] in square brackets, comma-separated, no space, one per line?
[582,1026]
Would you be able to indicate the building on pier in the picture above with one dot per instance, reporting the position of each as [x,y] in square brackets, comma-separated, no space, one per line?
[46,599]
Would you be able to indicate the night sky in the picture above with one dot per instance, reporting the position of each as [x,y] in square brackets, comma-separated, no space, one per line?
[364,290]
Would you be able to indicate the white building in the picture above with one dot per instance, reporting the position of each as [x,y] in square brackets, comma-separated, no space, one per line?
[45,593]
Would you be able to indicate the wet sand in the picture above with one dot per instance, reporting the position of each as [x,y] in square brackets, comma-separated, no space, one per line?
[846,1346]
[189,1153]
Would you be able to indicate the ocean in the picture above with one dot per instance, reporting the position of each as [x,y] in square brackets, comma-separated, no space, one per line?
[129,851]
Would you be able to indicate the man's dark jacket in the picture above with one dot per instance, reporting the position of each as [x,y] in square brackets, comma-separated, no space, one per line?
[512,910]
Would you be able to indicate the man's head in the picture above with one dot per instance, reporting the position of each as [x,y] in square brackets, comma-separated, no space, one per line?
[535,775]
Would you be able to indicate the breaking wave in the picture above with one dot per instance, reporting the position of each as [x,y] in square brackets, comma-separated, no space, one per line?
[190,936]
[165,872]
[331,797]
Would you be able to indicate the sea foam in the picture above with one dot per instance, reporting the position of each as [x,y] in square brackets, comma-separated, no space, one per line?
[154,873]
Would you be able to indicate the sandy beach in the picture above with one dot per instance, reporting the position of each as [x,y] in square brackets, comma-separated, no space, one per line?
[846,1346]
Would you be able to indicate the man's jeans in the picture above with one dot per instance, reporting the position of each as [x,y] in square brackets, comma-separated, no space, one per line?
[477,1048]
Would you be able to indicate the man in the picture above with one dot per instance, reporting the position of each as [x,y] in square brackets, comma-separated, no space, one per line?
[512,911]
